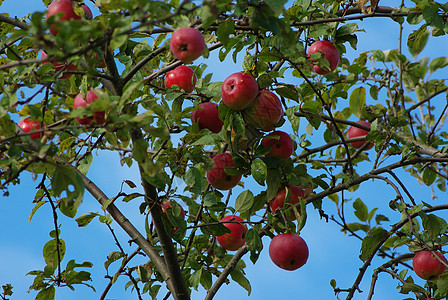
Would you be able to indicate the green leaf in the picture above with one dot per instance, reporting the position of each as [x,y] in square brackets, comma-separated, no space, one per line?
[46,294]
[244,201]
[238,277]
[254,244]
[429,176]
[347,29]
[417,40]
[52,253]
[206,280]
[35,208]
[438,63]
[69,180]
[361,211]
[357,101]
[370,242]
[434,225]
[259,171]
[85,219]
[224,31]
[276,5]
[195,278]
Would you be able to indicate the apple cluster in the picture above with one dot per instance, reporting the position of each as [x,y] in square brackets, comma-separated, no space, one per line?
[260,109]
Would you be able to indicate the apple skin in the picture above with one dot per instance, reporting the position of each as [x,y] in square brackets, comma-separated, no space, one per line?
[98,116]
[236,238]
[217,176]
[187,44]
[293,198]
[288,251]
[29,125]
[239,90]
[66,8]
[59,66]
[427,266]
[353,132]
[282,147]
[264,112]
[166,205]
[329,52]
[207,116]
[183,77]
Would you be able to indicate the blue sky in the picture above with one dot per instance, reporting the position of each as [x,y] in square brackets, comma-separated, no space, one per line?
[332,255]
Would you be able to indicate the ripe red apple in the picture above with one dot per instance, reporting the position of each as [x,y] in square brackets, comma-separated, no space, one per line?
[288,251]
[236,238]
[166,205]
[353,132]
[218,177]
[79,101]
[59,67]
[290,196]
[239,90]
[207,116]
[279,143]
[427,266]
[68,11]
[183,77]
[264,112]
[30,125]
[329,52]
[187,44]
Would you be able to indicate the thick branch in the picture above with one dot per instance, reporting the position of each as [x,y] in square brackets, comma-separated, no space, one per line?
[5,19]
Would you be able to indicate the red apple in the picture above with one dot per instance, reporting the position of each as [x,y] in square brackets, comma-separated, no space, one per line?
[427,266]
[288,251]
[79,101]
[289,196]
[329,52]
[183,77]
[353,132]
[218,177]
[67,9]
[279,144]
[207,116]
[236,238]
[28,125]
[264,112]
[166,205]
[187,44]
[59,67]
[239,90]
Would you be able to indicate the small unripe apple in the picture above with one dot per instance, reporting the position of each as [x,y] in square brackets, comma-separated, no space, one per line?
[279,144]
[286,198]
[354,131]
[68,11]
[79,101]
[218,177]
[236,238]
[427,266]
[183,77]
[59,66]
[239,90]
[329,52]
[166,205]
[187,44]
[28,125]
[264,112]
[288,251]
[207,116]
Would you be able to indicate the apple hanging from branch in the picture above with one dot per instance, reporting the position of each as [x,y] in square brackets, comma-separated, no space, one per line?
[329,52]
[187,44]
[239,90]
[183,77]
[207,116]
[236,238]
[217,177]
[288,251]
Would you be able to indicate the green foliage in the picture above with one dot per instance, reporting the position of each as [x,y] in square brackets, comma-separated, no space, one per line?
[149,126]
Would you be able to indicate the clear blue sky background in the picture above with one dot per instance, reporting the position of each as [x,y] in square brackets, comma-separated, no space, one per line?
[332,255]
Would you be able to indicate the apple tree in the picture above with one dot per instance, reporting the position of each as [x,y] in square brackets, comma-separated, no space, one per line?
[300,125]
